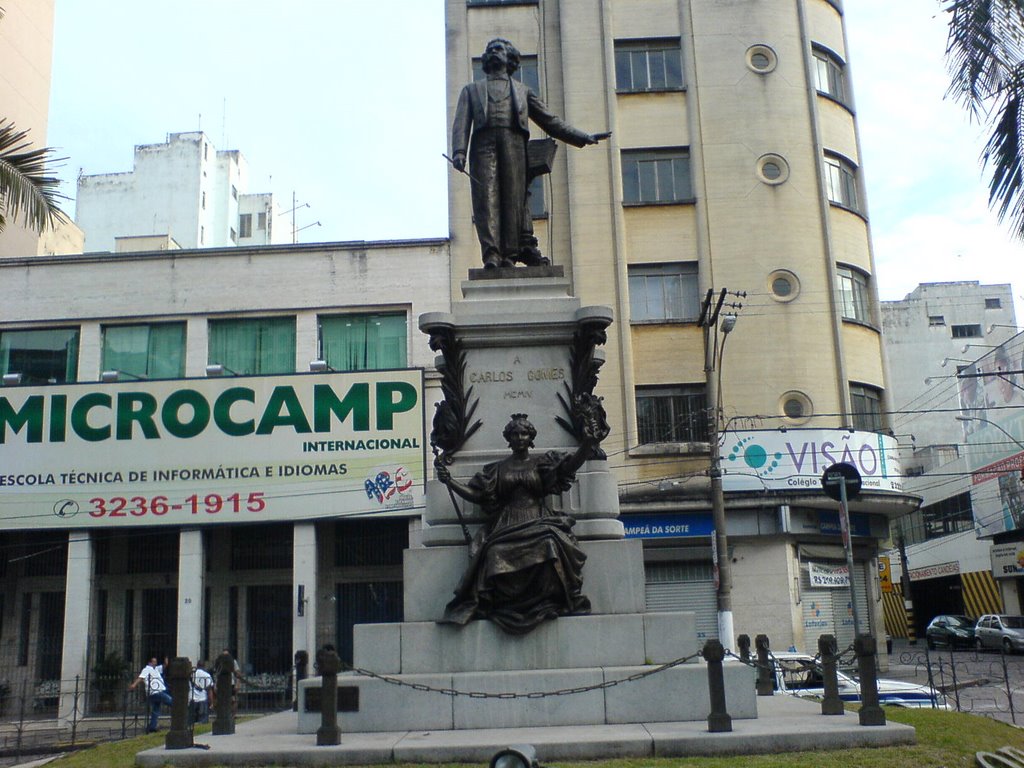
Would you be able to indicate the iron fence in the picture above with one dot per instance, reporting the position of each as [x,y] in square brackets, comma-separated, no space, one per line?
[37,716]
[989,683]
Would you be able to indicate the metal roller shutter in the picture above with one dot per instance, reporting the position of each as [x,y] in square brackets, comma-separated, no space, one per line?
[684,586]
[829,611]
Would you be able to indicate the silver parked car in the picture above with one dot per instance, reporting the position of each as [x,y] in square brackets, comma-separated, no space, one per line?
[1000,631]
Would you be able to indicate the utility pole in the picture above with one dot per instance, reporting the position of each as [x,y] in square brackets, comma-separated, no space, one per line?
[713,352]
[908,598]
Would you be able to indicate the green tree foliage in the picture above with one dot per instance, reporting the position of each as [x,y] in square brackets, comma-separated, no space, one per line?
[985,56]
[27,190]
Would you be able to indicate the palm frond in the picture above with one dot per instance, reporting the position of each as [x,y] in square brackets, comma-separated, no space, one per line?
[1003,153]
[985,57]
[982,49]
[27,191]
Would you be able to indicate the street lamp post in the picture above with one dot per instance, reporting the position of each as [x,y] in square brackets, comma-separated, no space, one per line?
[994,424]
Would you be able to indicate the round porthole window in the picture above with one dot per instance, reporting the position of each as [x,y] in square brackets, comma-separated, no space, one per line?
[772,169]
[796,407]
[761,59]
[783,285]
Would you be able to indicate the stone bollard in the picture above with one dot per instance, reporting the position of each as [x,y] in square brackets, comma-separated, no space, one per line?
[743,642]
[765,669]
[329,734]
[301,672]
[719,720]
[179,678]
[224,706]
[827,649]
[870,712]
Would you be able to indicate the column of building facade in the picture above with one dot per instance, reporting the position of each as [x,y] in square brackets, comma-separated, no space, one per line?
[77,610]
[304,588]
[191,583]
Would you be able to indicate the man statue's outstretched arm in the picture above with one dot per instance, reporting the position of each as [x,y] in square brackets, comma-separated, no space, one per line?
[555,126]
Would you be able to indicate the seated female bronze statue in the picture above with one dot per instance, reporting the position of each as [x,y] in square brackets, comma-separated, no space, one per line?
[525,564]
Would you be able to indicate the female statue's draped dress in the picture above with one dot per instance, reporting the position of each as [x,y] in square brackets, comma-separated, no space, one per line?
[525,564]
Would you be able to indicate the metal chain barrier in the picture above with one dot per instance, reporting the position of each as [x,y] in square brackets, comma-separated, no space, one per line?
[528,695]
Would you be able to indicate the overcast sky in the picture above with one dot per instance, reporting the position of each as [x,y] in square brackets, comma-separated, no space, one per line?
[342,103]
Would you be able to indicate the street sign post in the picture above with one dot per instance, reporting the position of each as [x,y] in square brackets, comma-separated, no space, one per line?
[842,482]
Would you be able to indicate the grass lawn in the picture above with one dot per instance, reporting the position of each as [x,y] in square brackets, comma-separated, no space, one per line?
[944,740]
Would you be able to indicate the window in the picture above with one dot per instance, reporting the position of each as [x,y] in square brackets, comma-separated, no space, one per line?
[528,73]
[761,59]
[268,627]
[245,225]
[935,320]
[363,342]
[362,543]
[232,234]
[648,65]
[153,552]
[24,629]
[656,176]
[261,221]
[829,74]
[672,414]
[204,201]
[149,351]
[40,356]
[841,183]
[261,547]
[45,554]
[234,192]
[966,331]
[853,294]
[535,198]
[943,518]
[866,403]
[993,304]
[254,345]
[662,292]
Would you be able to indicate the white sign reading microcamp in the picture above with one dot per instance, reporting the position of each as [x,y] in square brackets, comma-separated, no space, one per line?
[198,451]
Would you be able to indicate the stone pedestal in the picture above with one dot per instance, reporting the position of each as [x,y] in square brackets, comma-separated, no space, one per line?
[519,343]
[520,340]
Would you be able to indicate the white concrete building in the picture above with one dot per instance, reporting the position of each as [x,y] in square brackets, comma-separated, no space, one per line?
[935,330]
[184,188]
[143,567]
[933,334]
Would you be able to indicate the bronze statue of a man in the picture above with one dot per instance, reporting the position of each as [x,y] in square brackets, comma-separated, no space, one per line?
[492,122]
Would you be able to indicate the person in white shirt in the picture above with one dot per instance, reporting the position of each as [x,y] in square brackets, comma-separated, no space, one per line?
[199,692]
[156,691]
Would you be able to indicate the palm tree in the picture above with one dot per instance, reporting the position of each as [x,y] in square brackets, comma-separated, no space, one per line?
[26,191]
[985,55]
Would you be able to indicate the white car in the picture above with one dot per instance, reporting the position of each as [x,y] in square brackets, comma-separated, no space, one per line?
[800,675]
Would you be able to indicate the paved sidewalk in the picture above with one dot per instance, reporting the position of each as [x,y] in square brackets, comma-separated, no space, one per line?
[785,724]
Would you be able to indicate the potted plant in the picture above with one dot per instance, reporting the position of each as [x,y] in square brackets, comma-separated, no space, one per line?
[109,674]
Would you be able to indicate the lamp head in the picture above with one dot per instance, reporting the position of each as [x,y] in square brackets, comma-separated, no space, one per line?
[728,323]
